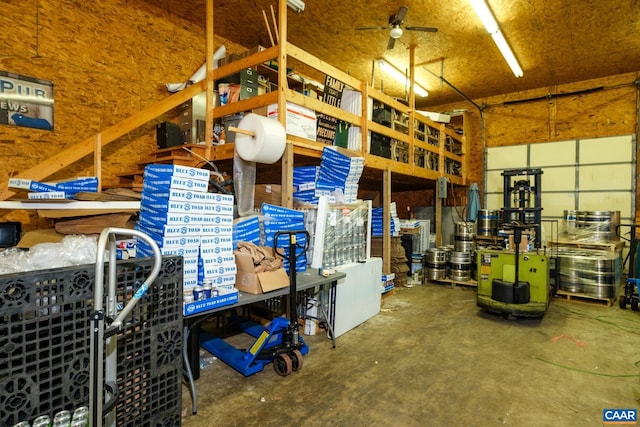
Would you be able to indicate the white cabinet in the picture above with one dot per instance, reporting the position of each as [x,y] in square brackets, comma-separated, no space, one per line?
[358,295]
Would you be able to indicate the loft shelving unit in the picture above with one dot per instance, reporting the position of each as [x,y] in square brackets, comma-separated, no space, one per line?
[429,149]
[431,141]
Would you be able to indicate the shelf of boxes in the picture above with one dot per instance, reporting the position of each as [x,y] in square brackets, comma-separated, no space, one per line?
[183,218]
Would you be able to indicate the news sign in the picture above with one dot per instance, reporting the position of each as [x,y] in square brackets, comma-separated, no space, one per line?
[26,101]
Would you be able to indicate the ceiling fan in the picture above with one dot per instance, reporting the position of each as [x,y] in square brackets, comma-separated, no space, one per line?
[395,26]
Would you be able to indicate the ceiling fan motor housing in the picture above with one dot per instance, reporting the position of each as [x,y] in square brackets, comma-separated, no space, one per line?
[396,32]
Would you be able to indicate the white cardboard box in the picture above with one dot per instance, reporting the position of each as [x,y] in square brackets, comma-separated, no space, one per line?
[301,121]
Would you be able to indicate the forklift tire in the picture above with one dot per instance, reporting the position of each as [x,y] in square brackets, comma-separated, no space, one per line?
[623,302]
[283,365]
[296,359]
[634,304]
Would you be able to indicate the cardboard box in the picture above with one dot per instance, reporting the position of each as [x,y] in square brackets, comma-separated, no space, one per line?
[301,121]
[217,219]
[163,172]
[191,196]
[211,303]
[247,280]
[261,111]
[174,183]
[47,235]
[226,230]
[267,193]
[526,244]
[31,185]
[57,195]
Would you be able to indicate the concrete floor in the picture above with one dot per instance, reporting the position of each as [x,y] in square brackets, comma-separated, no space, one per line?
[432,358]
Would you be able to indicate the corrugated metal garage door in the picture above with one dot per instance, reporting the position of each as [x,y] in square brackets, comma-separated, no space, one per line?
[586,175]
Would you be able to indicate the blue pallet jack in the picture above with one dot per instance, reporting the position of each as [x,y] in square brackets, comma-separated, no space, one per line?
[280,341]
[632,283]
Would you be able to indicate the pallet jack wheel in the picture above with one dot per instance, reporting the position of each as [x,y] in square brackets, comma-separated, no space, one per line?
[634,304]
[283,365]
[296,359]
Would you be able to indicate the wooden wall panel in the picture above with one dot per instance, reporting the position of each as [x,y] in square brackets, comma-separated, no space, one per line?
[595,108]
[515,124]
[406,201]
[107,60]
[111,58]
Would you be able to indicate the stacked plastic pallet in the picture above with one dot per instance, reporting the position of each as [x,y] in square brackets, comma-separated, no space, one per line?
[46,369]
[184,219]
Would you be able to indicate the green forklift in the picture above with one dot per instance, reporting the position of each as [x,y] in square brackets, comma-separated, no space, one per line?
[515,281]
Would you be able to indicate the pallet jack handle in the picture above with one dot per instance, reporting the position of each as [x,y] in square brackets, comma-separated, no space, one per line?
[517,228]
[517,238]
[293,246]
[101,367]
[632,247]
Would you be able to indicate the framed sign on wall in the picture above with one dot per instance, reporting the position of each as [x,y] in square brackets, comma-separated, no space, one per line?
[26,101]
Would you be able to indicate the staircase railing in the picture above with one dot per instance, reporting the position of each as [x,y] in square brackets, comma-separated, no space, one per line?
[94,144]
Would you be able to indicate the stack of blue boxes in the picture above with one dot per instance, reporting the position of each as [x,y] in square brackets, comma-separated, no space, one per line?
[277,218]
[246,229]
[183,218]
[55,190]
[304,184]
[70,188]
[339,171]
[377,222]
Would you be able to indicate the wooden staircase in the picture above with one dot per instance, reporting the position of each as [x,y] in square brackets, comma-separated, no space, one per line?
[94,144]
[193,155]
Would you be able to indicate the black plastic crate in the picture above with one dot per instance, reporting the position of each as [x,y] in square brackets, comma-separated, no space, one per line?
[45,335]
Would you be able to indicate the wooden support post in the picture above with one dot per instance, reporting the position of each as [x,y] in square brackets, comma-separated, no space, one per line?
[386,221]
[364,127]
[438,220]
[97,160]
[287,176]
[210,101]
[287,158]
[412,107]
[466,149]
[441,144]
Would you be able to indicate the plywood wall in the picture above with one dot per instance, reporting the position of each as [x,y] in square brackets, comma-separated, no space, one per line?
[587,109]
[110,59]
[107,60]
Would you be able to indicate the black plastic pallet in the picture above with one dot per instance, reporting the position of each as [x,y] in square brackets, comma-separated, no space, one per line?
[45,335]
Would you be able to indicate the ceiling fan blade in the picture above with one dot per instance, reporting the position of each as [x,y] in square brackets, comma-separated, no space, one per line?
[371,28]
[402,12]
[391,43]
[427,29]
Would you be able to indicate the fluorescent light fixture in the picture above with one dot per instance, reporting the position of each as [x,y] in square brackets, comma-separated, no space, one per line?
[485,15]
[297,5]
[507,53]
[401,78]
[489,21]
